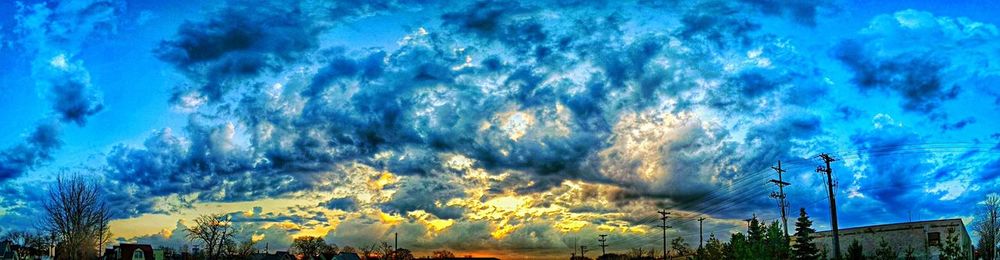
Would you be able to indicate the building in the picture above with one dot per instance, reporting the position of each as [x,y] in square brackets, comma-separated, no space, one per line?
[924,238]
[346,256]
[11,251]
[280,255]
[129,252]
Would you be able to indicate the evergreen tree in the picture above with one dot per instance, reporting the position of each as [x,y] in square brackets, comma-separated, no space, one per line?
[855,251]
[910,253]
[952,249]
[714,249]
[728,252]
[755,239]
[739,247]
[885,251]
[804,247]
[756,231]
[776,244]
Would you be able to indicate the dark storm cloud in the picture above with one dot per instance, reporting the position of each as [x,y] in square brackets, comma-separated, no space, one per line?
[243,40]
[206,161]
[959,124]
[345,204]
[501,83]
[69,90]
[916,77]
[718,24]
[742,92]
[892,181]
[35,150]
[340,66]
[801,11]
[424,193]
[52,34]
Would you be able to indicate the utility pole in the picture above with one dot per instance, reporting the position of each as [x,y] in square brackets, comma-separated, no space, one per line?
[603,245]
[701,232]
[395,244]
[574,250]
[833,202]
[781,195]
[583,252]
[664,213]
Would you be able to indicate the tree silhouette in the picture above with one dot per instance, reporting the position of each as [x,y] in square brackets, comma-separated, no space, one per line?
[775,242]
[885,251]
[308,246]
[77,216]
[739,247]
[952,249]
[442,254]
[680,247]
[713,248]
[214,231]
[855,251]
[804,247]
[987,226]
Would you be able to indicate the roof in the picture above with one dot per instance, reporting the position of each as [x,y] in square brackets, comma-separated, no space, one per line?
[902,226]
[346,256]
[919,223]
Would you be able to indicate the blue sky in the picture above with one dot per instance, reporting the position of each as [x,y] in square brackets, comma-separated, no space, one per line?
[487,126]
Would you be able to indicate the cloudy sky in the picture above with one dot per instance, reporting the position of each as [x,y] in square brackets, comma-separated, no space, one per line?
[517,129]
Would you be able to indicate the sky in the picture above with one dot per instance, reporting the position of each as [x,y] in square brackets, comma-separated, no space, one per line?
[509,128]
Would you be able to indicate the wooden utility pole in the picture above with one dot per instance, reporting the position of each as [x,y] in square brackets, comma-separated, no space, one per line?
[583,252]
[833,202]
[664,213]
[701,232]
[781,195]
[603,245]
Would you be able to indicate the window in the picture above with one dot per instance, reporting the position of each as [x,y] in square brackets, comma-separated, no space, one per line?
[934,239]
[137,255]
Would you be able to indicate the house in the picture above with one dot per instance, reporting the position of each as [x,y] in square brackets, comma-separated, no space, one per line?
[129,252]
[11,251]
[346,256]
[8,250]
[924,238]
[280,255]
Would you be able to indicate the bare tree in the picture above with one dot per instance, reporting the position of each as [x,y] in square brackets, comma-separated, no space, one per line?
[386,251]
[77,216]
[367,251]
[308,246]
[213,231]
[241,250]
[331,248]
[442,254]
[987,226]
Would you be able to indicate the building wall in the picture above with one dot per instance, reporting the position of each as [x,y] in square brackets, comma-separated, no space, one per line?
[901,236]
